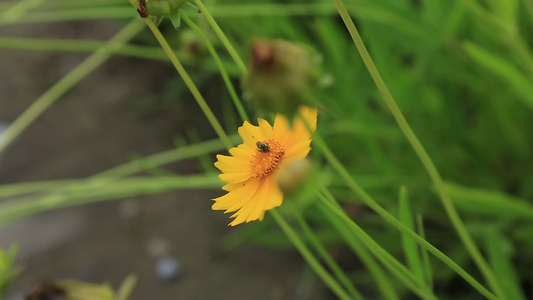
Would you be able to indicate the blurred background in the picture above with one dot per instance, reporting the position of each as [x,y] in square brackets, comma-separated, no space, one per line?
[461,71]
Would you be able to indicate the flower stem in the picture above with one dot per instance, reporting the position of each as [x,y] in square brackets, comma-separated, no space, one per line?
[236,100]
[188,81]
[332,264]
[420,151]
[222,36]
[380,278]
[66,83]
[309,257]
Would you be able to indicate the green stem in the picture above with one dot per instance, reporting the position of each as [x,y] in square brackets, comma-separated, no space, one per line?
[18,189]
[145,52]
[370,202]
[87,191]
[222,36]
[18,10]
[66,83]
[395,267]
[188,81]
[420,151]
[339,273]
[166,157]
[308,256]
[81,46]
[428,276]
[236,101]
[382,281]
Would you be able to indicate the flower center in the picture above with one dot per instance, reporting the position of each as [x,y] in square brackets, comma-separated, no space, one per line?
[266,158]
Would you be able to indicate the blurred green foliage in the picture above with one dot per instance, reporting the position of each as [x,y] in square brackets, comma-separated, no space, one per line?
[461,72]
[8,271]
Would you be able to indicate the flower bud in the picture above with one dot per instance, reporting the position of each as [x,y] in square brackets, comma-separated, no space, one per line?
[294,175]
[160,9]
[283,75]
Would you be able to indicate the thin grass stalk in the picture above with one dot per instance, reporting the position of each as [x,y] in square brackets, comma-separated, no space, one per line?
[229,47]
[187,80]
[400,271]
[233,94]
[103,180]
[85,192]
[380,278]
[309,257]
[421,152]
[146,52]
[66,83]
[330,262]
[428,272]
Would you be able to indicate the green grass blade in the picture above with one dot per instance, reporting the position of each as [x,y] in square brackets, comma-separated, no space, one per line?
[89,191]
[331,263]
[503,70]
[330,207]
[309,257]
[428,272]
[410,247]
[380,278]
[491,203]
[500,260]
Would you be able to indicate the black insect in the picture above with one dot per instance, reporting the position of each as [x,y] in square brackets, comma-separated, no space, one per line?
[263,147]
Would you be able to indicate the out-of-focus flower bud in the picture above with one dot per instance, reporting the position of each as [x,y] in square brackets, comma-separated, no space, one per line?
[282,76]
[294,175]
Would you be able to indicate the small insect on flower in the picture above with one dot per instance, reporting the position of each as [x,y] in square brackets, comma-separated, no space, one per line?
[263,147]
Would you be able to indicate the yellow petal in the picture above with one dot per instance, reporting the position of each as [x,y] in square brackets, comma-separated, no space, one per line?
[234,177]
[242,152]
[276,196]
[229,164]
[297,151]
[288,137]
[232,186]
[252,134]
[237,197]
[267,197]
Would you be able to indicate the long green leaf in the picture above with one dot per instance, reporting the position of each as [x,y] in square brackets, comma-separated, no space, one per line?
[490,203]
[502,69]
[500,260]
[410,247]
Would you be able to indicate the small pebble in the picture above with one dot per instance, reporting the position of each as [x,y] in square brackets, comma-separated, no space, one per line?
[168,268]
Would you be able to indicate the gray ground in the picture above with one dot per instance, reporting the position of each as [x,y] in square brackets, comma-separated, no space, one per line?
[93,128]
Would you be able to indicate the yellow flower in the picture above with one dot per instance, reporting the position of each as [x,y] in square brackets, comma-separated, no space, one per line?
[251,171]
